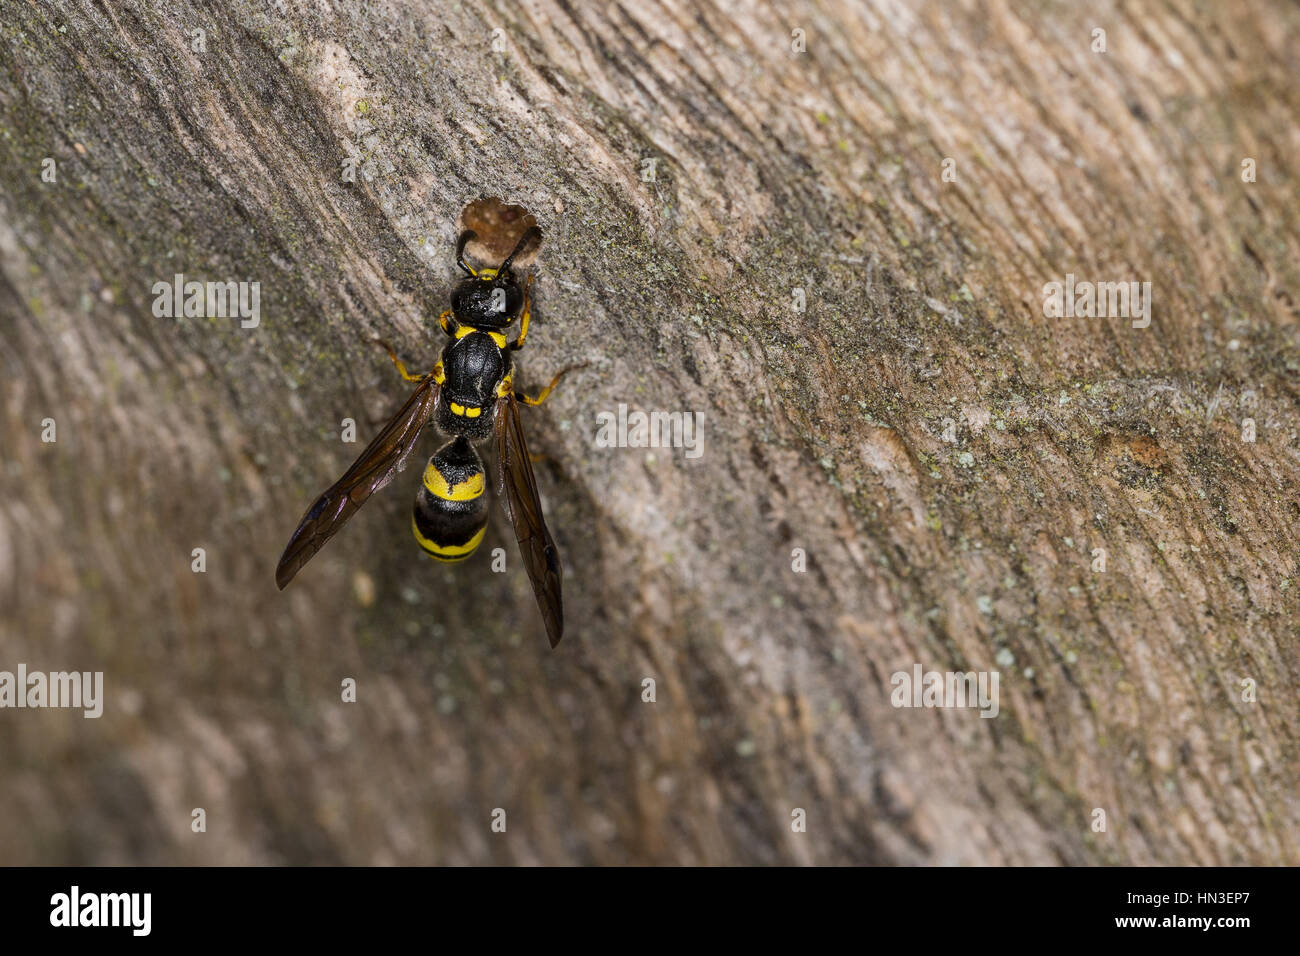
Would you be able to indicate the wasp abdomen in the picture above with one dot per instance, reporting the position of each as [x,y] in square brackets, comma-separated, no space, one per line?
[451,510]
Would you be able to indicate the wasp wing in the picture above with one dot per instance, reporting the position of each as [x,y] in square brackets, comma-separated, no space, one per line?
[517,489]
[383,458]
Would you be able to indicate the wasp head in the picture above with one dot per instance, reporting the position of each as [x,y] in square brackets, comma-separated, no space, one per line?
[489,298]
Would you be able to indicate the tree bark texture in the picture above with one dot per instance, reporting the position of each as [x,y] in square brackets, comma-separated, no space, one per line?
[746,216]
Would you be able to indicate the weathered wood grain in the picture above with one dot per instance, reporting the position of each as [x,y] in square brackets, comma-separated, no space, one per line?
[775,170]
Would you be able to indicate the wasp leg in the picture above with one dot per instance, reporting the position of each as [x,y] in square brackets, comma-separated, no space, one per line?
[541,396]
[518,343]
[401,366]
[447,322]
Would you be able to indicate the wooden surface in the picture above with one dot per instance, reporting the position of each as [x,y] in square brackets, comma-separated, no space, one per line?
[823,430]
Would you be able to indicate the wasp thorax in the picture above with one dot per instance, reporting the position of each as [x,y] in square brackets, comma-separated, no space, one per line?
[487,302]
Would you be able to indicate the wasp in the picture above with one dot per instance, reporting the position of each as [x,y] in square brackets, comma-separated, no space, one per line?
[469,397]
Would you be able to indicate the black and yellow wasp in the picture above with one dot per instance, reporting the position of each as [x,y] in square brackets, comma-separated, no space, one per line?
[470,395]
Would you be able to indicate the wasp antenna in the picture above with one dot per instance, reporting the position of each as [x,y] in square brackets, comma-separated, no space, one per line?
[465,237]
[527,237]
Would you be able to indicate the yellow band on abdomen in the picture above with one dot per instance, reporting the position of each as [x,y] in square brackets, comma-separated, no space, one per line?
[448,552]
[467,490]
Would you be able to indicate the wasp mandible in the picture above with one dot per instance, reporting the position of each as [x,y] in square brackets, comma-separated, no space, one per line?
[469,396]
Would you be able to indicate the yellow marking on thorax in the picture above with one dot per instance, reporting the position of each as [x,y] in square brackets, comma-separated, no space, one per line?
[439,374]
[466,411]
[467,490]
[506,385]
[498,337]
